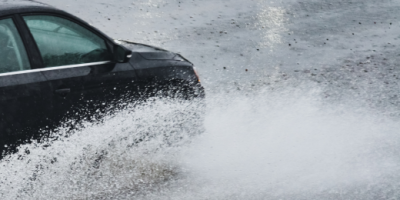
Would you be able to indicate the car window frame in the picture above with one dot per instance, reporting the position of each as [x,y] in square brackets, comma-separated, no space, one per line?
[107,40]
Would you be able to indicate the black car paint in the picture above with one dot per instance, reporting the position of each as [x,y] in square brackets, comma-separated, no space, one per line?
[35,101]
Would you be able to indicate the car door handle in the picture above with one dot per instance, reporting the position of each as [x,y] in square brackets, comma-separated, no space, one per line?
[63,92]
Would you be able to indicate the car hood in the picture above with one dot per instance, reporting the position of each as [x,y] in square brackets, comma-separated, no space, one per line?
[149,52]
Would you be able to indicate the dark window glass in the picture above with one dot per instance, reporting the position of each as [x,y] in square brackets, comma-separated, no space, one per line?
[62,42]
[12,51]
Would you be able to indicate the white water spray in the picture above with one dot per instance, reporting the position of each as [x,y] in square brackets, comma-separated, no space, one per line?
[275,144]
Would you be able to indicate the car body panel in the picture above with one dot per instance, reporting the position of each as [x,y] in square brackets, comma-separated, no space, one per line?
[159,64]
[25,102]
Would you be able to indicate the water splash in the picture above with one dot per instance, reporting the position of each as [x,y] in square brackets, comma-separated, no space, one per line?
[131,151]
[276,142]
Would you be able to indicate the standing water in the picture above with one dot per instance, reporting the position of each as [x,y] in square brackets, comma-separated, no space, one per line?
[302,103]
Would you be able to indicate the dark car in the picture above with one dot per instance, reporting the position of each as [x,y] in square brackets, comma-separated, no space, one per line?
[55,66]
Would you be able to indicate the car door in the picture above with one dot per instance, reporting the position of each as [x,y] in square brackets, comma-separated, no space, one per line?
[25,105]
[78,63]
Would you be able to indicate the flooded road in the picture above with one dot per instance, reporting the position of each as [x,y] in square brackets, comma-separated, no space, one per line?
[302,103]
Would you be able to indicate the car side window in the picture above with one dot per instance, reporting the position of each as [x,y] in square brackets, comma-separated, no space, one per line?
[13,56]
[63,42]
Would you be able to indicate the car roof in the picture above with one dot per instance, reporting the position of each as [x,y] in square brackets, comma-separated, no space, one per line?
[14,7]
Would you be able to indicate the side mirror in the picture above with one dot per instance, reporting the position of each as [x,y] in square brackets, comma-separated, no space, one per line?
[121,54]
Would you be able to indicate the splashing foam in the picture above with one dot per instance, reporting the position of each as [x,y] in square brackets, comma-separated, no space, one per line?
[292,145]
[133,150]
[274,142]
